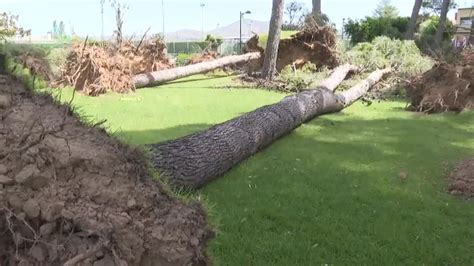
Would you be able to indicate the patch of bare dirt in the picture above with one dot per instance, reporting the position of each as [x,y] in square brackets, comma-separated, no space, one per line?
[445,87]
[461,179]
[71,195]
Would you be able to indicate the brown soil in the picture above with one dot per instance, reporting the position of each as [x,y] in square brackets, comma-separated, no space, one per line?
[37,66]
[312,44]
[95,69]
[315,45]
[71,195]
[461,179]
[444,88]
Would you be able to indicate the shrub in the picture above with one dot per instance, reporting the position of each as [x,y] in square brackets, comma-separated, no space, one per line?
[295,80]
[183,59]
[383,52]
[371,27]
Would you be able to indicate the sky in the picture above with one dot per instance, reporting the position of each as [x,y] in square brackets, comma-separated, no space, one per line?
[84,16]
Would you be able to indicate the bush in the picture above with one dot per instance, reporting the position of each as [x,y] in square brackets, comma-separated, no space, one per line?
[183,59]
[295,80]
[371,27]
[383,52]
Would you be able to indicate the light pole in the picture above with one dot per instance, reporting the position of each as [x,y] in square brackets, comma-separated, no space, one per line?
[202,22]
[342,32]
[163,15]
[102,18]
[240,31]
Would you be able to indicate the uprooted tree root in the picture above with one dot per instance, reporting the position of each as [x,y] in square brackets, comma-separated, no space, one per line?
[311,45]
[71,195]
[461,179]
[95,69]
[444,88]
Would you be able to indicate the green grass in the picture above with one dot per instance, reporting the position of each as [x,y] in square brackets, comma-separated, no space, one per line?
[329,192]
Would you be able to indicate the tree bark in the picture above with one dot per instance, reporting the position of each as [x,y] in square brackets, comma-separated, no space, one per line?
[471,32]
[162,76]
[316,7]
[271,52]
[442,23]
[192,161]
[413,20]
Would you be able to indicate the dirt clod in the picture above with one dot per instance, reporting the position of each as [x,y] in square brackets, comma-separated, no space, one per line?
[5,101]
[461,179]
[72,193]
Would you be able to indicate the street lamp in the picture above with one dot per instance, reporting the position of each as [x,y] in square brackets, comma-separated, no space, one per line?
[240,32]
[163,15]
[102,19]
[202,22]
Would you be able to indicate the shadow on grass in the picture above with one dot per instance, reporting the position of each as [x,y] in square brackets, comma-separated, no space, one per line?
[203,78]
[331,192]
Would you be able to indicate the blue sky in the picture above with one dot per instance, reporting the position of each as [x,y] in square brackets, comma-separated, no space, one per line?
[84,15]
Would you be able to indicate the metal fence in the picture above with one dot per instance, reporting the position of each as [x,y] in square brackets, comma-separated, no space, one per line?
[228,47]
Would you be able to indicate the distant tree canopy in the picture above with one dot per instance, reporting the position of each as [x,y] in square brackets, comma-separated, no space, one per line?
[9,26]
[213,42]
[433,7]
[367,29]
[386,22]
[385,9]
[294,15]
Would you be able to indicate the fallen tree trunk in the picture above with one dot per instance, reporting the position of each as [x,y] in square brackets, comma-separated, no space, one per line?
[162,76]
[194,160]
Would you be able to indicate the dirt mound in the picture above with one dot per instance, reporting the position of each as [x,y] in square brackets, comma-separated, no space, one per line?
[72,195]
[95,69]
[312,44]
[37,66]
[444,88]
[461,179]
[204,57]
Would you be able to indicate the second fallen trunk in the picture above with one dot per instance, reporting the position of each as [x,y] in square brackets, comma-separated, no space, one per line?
[194,160]
[162,76]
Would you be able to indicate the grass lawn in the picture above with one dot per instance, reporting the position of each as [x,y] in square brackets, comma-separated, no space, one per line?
[329,192]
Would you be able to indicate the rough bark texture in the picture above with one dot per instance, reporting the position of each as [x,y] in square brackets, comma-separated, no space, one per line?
[413,19]
[442,22]
[271,52]
[316,7]
[162,76]
[192,161]
[471,32]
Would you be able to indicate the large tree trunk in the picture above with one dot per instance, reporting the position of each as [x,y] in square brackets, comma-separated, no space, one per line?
[162,76]
[316,7]
[271,52]
[413,20]
[192,161]
[471,32]
[442,23]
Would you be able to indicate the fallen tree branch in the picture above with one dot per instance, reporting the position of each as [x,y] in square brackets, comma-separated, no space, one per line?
[192,161]
[162,76]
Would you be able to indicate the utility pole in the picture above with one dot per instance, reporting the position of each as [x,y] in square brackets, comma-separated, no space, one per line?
[163,15]
[202,22]
[342,31]
[102,19]
[240,29]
